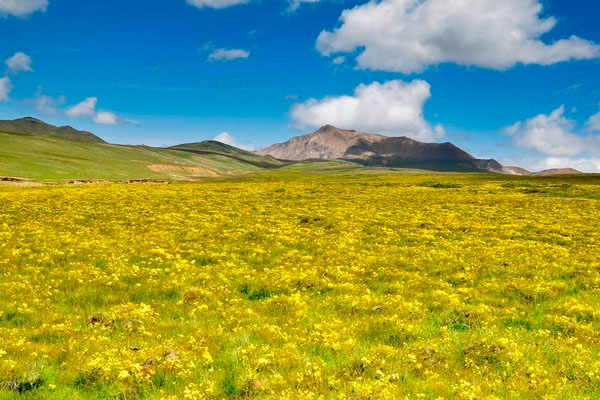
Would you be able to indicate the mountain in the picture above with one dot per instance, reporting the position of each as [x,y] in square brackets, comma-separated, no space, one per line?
[368,149]
[45,152]
[33,126]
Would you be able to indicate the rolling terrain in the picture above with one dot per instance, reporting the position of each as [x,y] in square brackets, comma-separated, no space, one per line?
[33,126]
[52,158]
[32,149]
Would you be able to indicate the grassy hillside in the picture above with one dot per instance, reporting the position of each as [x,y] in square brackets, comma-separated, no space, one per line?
[209,147]
[50,158]
[33,126]
[53,158]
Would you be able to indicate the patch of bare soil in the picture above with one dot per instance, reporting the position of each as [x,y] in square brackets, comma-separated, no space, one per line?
[12,181]
[126,181]
[194,170]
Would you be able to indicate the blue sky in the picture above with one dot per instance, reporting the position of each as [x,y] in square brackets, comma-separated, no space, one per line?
[523,88]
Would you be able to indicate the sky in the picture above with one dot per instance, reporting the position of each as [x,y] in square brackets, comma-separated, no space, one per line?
[514,80]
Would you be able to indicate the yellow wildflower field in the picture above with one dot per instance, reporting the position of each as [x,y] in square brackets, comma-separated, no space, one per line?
[302,287]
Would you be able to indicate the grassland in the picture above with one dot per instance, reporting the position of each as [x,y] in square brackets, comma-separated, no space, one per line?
[46,158]
[302,287]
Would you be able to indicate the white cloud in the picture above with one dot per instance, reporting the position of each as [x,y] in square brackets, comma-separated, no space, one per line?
[216,3]
[47,104]
[22,8]
[591,164]
[295,4]
[228,54]
[19,62]
[584,164]
[410,35]
[87,108]
[225,137]
[394,108]
[5,88]
[107,118]
[594,122]
[339,60]
[552,135]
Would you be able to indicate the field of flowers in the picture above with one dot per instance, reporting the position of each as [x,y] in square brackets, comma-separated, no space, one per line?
[302,287]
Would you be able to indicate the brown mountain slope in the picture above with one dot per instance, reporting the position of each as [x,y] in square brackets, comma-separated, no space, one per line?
[330,142]
[559,171]
[518,171]
[33,126]
[327,143]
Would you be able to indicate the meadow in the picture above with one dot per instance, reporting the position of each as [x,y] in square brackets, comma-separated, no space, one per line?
[52,159]
[302,287]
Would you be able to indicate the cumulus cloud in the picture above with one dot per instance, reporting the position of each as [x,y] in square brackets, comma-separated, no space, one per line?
[22,8]
[87,108]
[228,54]
[552,135]
[225,137]
[5,88]
[19,62]
[594,122]
[394,108]
[215,3]
[583,164]
[107,118]
[410,35]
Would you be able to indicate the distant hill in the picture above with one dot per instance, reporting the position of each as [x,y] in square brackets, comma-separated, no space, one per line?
[559,171]
[368,149]
[214,147]
[546,172]
[41,151]
[46,157]
[33,126]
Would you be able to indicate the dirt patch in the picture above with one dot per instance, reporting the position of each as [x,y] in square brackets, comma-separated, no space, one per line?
[193,170]
[126,181]
[11,181]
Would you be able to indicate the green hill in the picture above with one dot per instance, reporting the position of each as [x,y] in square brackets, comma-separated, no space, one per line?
[50,158]
[53,158]
[33,126]
[214,147]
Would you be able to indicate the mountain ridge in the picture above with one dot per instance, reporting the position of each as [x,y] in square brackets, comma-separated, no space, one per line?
[216,147]
[36,127]
[329,142]
[327,148]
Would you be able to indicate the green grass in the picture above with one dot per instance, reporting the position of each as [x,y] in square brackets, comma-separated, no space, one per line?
[214,147]
[47,158]
[455,286]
